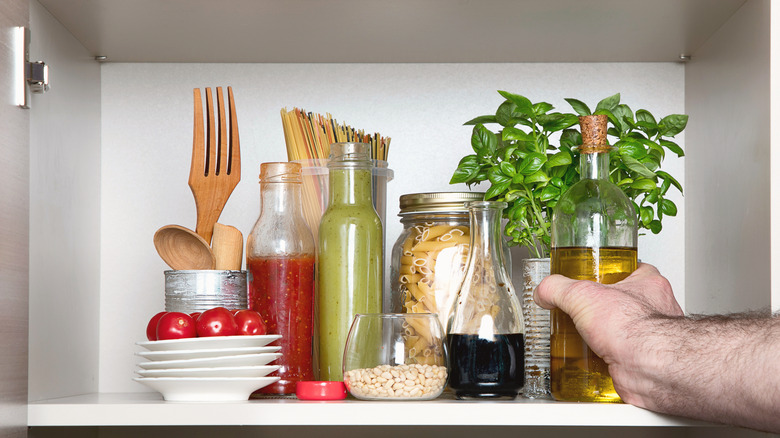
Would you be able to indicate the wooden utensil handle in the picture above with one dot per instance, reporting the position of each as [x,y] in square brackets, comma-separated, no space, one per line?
[228,247]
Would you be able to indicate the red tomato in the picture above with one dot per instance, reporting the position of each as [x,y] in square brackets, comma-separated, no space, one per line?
[249,322]
[216,322]
[151,328]
[194,316]
[175,325]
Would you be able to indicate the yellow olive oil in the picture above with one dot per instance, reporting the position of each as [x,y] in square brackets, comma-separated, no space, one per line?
[577,373]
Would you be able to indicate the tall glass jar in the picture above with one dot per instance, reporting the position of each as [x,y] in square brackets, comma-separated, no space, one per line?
[280,261]
[594,237]
[350,253]
[485,334]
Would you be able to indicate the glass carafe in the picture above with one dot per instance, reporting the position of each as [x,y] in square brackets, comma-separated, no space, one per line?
[485,329]
[594,237]
[280,261]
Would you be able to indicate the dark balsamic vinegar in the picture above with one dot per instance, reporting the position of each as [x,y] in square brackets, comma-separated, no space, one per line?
[486,368]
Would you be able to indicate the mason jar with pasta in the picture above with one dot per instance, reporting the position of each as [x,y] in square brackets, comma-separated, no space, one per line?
[428,261]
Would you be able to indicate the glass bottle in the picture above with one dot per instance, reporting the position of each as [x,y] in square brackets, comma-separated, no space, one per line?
[485,330]
[350,253]
[594,237]
[280,261]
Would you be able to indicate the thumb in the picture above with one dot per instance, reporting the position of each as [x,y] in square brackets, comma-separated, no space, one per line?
[551,292]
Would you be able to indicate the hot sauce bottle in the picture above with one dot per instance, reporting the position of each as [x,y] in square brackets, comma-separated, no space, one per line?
[280,261]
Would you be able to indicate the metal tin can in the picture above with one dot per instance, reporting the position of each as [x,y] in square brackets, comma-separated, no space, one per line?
[199,290]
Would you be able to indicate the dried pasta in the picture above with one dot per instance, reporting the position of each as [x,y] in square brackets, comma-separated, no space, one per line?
[432,264]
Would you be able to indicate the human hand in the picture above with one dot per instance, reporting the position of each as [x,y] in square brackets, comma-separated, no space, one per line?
[613,320]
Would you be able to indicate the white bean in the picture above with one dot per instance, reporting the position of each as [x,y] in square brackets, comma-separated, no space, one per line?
[400,381]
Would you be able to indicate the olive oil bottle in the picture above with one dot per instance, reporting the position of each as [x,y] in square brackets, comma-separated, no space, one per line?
[594,237]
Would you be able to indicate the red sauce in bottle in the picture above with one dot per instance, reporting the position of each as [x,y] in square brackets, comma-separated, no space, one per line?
[282,291]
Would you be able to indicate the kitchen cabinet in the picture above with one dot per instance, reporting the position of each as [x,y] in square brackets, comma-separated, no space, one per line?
[109,148]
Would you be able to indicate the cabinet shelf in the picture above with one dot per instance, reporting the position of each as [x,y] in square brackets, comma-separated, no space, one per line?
[148,409]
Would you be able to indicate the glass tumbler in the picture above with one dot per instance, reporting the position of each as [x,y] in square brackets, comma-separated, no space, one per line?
[382,362]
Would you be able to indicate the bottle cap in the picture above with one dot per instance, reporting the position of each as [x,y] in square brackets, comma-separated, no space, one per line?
[314,390]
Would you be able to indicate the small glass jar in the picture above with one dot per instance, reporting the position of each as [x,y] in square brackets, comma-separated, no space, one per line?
[382,361]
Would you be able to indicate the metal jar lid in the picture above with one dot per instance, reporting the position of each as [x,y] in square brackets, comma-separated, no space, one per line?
[437,202]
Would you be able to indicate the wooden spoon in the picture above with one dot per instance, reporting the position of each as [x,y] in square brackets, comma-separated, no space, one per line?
[228,247]
[183,249]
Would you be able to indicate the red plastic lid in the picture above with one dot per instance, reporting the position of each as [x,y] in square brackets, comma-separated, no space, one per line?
[312,390]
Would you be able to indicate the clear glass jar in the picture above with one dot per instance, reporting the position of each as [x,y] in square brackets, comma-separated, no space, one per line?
[280,261]
[429,257]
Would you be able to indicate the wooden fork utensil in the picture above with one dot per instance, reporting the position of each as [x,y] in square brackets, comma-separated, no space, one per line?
[216,165]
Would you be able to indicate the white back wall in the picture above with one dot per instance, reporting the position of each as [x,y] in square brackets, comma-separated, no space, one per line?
[147,141]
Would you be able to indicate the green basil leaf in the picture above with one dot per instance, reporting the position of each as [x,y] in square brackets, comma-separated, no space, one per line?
[624,115]
[496,177]
[672,146]
[612,118]
[533,162]
[549,192]
[516,134]
[653,145]
[646,215]
[672,125]
[507,113]
[561,158]
[644,116]
[507,169]
[632,148]
[518,178]
[483,141]
[668,207]
[571,138]
[481,119]
[537,177]
[542,108]
[635,166]
[609,103]
[496,189]
[579,107]
[466,171]
[557,121]
[625,181]
[651,162]
[643,184]
[523,104]
[655,226]
[671,179]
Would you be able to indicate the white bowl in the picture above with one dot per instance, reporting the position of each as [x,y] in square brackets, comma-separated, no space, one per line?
[258,371]
[198,354]
[241,360]
[209,342]
[206,388]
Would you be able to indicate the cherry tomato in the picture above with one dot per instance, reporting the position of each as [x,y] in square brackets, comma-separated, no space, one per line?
[175,325]
[194,316]
[151,328]
[216,322]
[249,322]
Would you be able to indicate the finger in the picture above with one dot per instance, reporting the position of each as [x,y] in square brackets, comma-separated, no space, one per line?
[548,294]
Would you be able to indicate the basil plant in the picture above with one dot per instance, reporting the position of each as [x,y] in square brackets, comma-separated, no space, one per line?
[533,158]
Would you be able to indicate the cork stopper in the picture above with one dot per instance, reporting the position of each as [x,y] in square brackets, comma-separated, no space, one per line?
[594,134]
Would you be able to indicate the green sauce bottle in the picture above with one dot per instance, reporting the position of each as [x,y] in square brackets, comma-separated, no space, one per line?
[350,253]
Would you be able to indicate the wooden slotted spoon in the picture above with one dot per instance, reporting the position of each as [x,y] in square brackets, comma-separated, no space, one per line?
[216,167]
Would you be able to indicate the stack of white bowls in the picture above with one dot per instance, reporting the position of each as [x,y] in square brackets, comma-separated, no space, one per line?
[219,368]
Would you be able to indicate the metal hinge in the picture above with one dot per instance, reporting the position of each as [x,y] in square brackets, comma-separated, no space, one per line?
[34,75]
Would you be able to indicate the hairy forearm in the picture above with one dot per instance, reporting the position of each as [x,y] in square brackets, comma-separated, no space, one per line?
[719,368]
